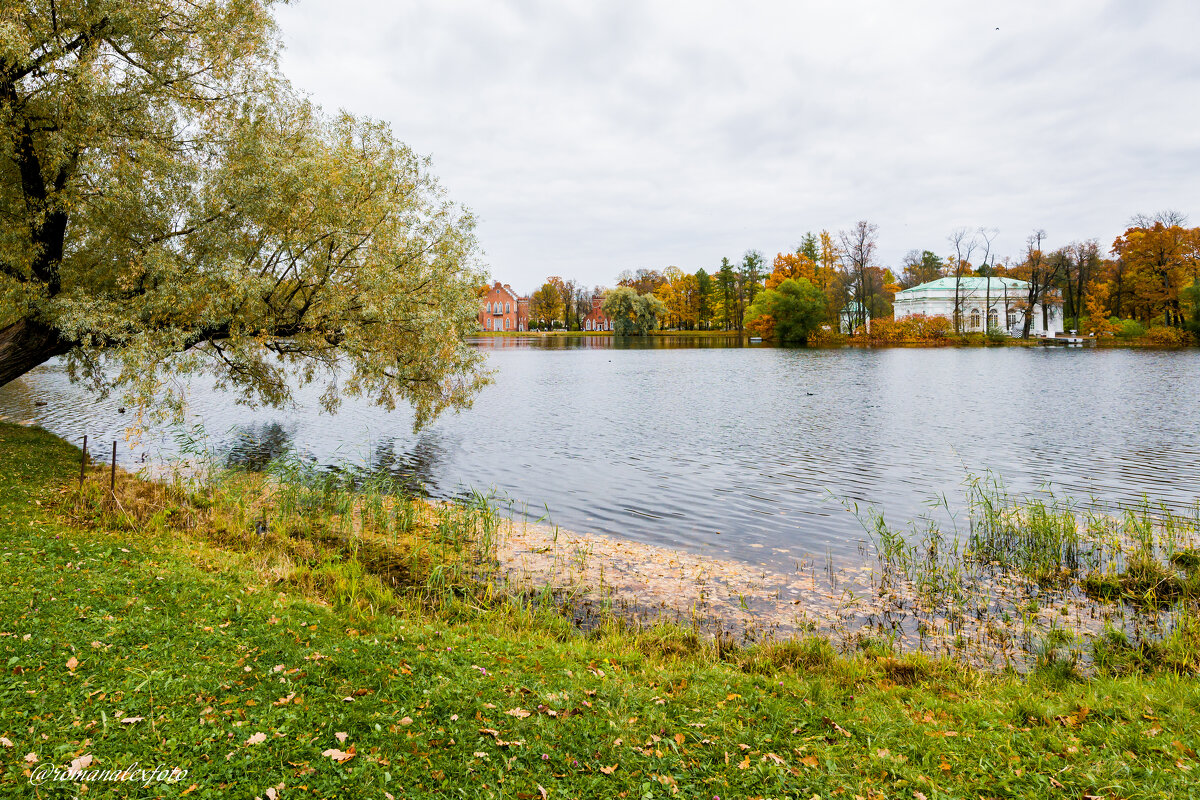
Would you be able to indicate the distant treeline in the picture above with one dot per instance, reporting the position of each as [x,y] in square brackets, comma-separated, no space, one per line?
[1148,278]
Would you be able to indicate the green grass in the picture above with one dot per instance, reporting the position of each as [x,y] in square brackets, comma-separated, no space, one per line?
[150,614]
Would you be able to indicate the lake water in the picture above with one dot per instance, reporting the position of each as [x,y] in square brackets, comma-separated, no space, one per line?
[745,452]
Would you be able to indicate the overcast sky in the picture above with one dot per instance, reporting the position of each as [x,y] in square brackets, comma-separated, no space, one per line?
[593,137]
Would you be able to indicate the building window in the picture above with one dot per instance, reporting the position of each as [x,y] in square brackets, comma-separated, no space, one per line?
[993,318]
[507,307]
[975,319]
[1012,318]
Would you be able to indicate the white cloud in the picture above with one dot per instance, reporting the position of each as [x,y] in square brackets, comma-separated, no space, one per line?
[592,137]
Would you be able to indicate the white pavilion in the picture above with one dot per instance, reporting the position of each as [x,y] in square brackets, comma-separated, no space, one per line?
[985,303]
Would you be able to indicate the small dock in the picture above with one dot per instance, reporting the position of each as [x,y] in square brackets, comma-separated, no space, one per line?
[1071,339]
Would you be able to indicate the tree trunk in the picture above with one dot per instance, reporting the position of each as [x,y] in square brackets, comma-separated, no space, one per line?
[24,345]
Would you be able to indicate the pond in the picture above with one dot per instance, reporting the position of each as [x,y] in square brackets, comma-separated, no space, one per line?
[750,453]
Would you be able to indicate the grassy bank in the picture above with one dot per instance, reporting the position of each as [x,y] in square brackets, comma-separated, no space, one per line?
[302,640]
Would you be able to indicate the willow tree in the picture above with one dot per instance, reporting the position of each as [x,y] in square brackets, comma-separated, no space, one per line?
[168,206]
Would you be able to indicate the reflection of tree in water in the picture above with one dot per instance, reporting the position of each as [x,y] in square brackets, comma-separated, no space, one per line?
[256,446]
[412,471]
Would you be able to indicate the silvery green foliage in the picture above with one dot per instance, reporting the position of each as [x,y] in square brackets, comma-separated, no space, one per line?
[209,220]
[632,314]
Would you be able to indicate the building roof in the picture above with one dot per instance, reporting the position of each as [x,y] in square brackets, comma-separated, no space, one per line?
[967,284]
[503,288]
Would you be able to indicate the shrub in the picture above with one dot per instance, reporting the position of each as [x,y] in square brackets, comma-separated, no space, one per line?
[1168,337]
[884,331]
[826,334]
[920,328]
[1130,329]
[937,328]
[996,335]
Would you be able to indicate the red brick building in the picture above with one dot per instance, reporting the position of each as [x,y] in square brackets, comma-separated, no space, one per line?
[501,310]
[597,320]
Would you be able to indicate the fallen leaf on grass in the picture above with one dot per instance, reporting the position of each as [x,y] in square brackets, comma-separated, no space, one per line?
[495,734]
[774,759]
[520,713]
[836,727]
[283,701]
[72,663]
[339,756]
[341,736]
[79,764]
[132,720]
[256,738]
[609,770]
[31,758]
[406,721]
[5,742]
[810,761]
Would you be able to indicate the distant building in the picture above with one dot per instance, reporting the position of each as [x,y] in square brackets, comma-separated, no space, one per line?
[984,303]
[502,310]
[597,320]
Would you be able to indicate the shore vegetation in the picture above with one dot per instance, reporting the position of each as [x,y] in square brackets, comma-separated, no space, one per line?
[300,634]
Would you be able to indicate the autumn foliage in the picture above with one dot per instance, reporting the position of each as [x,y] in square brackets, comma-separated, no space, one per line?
[911,329]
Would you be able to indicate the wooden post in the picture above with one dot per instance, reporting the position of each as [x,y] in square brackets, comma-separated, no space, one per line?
[83,461]
[112,478]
